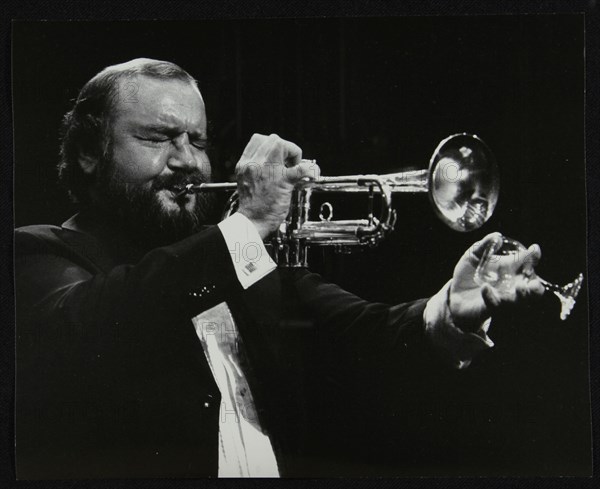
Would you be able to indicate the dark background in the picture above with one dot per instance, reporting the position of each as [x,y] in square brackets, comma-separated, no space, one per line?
[377,95]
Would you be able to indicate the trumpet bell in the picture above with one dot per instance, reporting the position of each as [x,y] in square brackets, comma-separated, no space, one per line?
[464,182]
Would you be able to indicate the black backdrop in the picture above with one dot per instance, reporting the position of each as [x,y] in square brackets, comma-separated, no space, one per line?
[376,95]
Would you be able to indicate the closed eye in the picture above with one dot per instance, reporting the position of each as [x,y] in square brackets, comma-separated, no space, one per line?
[199,144]
[153,140]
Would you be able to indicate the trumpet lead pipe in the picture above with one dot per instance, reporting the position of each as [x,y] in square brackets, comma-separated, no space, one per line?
[410,181]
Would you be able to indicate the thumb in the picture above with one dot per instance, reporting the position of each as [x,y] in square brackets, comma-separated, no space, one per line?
[492,239]
[474,254]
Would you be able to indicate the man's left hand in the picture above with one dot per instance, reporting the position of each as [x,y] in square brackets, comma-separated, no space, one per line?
[471,304]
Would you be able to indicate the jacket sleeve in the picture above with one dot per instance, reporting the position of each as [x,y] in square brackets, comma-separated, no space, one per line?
[56,288]
[356,325]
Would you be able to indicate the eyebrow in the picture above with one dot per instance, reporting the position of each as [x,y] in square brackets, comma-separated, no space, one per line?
[170,129]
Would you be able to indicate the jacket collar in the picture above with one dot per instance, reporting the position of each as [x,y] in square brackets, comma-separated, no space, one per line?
[91,227]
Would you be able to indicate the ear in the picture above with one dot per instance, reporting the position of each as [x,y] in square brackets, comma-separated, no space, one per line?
[88,163]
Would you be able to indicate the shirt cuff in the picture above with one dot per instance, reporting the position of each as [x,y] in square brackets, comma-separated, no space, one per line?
[248,253]
[455,345]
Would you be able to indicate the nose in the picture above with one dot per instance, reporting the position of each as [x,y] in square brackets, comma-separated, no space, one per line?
[181,156]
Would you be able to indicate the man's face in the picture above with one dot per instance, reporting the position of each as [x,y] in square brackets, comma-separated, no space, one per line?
[157,143]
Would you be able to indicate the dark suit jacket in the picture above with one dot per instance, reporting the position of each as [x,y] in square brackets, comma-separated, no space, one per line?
[111,378]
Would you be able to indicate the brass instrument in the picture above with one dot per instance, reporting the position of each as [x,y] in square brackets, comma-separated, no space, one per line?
[462,182]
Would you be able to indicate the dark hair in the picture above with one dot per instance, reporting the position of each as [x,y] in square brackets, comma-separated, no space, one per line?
[85,128]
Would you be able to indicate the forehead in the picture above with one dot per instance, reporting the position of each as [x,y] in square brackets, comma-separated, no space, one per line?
[144,100]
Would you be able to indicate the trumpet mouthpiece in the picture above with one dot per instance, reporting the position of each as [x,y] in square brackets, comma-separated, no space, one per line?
[183,190]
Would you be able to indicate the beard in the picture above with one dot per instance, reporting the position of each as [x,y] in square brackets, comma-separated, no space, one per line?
[137,209]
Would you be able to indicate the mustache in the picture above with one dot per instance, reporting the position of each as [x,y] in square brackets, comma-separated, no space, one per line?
[177,181]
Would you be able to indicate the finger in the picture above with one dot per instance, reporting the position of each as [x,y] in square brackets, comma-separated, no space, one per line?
[534,254]
[475,252]
[256,141]
[490,297]
[271,151]
[248,168]
[304,170]
[521,290]
[280,151]
[292,153]
[527,289]
[535,288]
[526,260]
[492,239]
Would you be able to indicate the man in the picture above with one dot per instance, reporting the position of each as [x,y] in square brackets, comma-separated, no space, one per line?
[147,345]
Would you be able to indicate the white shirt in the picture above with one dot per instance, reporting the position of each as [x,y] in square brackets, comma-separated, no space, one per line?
[244,449]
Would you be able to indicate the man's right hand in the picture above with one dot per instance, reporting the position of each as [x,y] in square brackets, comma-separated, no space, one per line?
[267,172]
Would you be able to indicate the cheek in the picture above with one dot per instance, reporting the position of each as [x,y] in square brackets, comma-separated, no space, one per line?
[138,164]
[204,165]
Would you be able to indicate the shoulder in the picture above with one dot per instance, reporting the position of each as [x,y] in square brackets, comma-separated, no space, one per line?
[54,240]
[48,242]
[35,238]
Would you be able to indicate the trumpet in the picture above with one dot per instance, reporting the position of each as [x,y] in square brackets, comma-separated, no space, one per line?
[462,182]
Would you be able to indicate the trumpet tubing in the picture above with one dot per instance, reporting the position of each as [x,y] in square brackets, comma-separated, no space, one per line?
[462,182]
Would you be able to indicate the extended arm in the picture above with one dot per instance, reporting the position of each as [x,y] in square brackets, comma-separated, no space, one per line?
[453,323]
